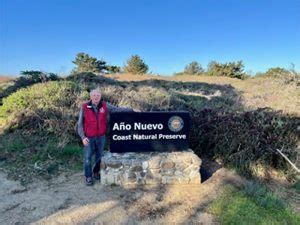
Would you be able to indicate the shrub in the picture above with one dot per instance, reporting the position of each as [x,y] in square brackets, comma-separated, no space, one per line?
[43,109]
[247,140]
[281,74]
[28,78]
[82,77]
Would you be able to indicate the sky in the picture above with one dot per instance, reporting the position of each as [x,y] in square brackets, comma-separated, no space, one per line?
[166,34]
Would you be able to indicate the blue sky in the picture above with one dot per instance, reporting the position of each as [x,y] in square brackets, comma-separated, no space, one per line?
[167,34]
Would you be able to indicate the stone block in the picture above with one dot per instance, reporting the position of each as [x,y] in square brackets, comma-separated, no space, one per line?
[167,165]
[151,168]
[136,169]
[154,162]
[114,164]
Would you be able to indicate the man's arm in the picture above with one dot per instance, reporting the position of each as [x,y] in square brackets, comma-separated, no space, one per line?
[80,124]
[112,108]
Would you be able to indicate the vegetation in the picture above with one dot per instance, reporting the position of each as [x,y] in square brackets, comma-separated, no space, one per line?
[26,156]
[5,79]
[39,129]
[36,76]
[297,186]
[247,140]
[221,128]
[194,68]
[241,123]
[253,205]
[136,65]
[27,78]
[282,74]
[87,63]
[231,69]
[113,69]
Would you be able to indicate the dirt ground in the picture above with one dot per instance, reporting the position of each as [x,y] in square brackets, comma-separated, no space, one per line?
[66,200]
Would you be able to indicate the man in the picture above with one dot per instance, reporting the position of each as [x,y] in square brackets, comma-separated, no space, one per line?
[91,129]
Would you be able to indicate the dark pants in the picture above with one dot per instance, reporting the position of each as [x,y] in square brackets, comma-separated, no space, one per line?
[95,146]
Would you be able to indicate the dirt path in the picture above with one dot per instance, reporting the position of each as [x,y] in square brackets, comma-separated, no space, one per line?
[66,200]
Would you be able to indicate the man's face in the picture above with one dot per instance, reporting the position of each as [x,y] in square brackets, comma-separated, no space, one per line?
[95,97]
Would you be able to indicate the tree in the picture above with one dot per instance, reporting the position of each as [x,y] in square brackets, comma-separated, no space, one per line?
[231,69]
[36,76]
[86,63]
[136,65]
[29,77]
[113,69]
[194,68]
[211,67]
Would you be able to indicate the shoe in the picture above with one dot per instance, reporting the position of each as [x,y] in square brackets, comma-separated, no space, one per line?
[89,181]
[97,176]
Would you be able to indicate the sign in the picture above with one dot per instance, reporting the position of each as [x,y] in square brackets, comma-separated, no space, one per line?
[149,131]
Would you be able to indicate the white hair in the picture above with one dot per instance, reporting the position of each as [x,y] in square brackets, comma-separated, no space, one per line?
[95,90]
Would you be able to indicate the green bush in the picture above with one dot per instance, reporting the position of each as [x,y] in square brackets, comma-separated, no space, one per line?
[27,78]
[49,108]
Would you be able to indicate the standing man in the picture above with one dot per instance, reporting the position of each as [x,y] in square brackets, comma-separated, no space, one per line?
[91,129]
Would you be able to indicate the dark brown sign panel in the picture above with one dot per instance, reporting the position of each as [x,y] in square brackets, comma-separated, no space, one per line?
[149,131]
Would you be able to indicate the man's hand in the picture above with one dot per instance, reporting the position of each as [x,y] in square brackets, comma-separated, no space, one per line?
[85,141]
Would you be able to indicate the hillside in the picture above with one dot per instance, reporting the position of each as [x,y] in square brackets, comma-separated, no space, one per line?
[255,93]
[5,82]
[237,124]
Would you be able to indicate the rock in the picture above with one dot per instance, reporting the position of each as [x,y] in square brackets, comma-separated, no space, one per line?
[155,171]
[195,180]
[114,164]
[167,165]
[143,174]
[145,165]
[181,166]
[136,169]
[154,162]
[178,173]
[103,165]
[151,168]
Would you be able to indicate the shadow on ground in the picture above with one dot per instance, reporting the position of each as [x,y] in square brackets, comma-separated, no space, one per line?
[66,200]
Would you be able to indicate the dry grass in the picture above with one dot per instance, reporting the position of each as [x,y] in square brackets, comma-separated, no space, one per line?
[5,79]
[255,93]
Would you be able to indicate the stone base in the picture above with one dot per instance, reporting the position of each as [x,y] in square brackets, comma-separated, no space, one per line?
[150,168]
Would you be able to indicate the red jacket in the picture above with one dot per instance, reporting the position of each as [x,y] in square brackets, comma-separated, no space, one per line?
[94,125]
